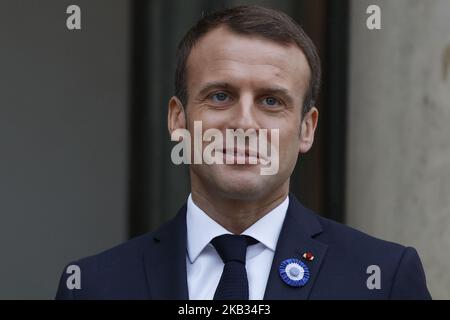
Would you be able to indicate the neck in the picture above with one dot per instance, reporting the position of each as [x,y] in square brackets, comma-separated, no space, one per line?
[237,215]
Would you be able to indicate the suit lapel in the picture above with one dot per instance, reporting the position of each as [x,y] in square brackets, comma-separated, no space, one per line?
[165,261]
[296,238]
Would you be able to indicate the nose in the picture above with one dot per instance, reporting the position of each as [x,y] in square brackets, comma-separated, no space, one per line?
[244,114]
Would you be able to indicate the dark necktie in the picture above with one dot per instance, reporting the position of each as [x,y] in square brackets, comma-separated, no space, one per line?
[233,284]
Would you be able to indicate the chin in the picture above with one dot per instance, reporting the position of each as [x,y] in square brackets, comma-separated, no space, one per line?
[242,183]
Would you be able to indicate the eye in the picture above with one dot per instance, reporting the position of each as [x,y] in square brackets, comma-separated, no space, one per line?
[220,97]
[271,102]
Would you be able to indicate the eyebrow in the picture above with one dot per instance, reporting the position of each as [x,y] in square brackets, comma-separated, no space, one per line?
[216,85]
[275,90]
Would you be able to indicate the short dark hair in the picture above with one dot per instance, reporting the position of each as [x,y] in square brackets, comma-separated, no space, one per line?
[251,20]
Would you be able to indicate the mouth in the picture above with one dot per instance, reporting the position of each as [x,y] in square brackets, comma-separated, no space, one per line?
[241,156]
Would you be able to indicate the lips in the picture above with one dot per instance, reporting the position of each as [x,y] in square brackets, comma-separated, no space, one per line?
[241,156]
[237,151]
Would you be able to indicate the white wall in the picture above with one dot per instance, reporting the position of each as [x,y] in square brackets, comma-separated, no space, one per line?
[399,130]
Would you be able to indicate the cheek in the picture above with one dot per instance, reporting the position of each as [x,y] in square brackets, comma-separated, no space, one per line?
[208,119]
[289,144]
[288,136]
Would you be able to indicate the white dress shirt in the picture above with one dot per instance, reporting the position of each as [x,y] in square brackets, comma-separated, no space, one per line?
[204,265]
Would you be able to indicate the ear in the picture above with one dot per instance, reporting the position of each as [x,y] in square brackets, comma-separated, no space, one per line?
[308,127]
[176,118]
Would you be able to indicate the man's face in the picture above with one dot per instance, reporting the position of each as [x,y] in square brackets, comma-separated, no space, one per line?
[243,82]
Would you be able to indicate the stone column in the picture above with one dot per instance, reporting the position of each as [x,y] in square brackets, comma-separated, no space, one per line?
[398,168]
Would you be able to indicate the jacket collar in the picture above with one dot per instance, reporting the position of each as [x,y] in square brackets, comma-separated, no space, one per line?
[296,238]
[165,262]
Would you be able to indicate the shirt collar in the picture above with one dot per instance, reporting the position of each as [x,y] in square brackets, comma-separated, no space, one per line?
[201,229]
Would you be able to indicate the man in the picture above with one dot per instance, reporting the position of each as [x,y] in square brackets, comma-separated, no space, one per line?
[241,235]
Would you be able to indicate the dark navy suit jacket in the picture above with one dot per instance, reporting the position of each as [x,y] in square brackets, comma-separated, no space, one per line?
[153,266]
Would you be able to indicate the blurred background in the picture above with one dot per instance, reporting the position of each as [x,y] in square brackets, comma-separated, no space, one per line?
[85,151]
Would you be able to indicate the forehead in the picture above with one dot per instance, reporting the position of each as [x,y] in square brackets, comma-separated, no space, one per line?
[222,55]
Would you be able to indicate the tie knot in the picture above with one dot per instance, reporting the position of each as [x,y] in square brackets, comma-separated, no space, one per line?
[232,247]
